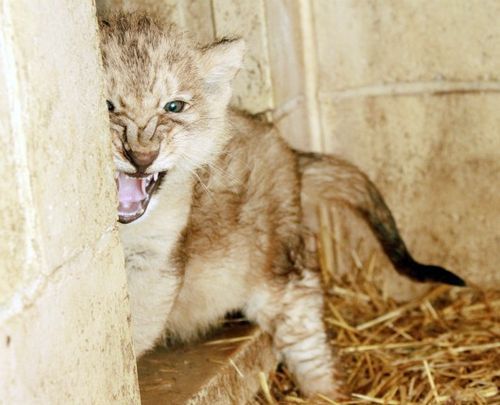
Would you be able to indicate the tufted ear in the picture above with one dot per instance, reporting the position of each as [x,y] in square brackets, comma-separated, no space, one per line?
[221,60]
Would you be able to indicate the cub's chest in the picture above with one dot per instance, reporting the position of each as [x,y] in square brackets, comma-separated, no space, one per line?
[151,241]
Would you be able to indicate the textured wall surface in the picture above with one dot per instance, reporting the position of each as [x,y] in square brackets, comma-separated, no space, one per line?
[64,328]
[408,90]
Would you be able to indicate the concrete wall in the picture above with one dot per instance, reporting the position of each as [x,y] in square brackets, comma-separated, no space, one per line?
[410,92]
[64,328]
[406,89]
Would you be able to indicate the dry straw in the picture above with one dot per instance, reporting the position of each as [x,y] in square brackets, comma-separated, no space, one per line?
[441,348]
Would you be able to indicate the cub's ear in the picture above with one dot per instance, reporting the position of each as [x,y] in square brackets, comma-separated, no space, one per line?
[221,60]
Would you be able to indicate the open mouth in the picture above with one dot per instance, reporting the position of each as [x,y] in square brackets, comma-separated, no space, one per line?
[134,194]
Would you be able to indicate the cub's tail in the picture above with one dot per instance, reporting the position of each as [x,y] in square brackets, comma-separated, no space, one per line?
[329,178]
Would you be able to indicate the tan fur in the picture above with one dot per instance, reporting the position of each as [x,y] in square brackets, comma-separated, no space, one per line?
[331,179]
[224,230]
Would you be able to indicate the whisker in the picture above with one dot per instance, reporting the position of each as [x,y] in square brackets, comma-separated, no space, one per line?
[223,173]
[195,174]
[207,190]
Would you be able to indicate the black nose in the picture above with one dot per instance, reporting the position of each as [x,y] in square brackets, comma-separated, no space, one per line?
[142,160]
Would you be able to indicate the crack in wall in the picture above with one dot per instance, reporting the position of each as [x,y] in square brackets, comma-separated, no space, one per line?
[27,295]
[435,88]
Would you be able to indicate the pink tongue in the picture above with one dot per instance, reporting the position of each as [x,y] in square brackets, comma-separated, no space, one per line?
[131,191]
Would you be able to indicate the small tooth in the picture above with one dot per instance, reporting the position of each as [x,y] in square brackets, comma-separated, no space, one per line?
[155,176]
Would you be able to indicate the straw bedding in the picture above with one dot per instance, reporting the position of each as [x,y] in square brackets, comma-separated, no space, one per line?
[443,347]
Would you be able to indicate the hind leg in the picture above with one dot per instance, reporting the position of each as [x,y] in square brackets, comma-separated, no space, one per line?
[293,314]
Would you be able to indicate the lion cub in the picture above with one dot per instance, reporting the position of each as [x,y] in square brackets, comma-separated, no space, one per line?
[210,201]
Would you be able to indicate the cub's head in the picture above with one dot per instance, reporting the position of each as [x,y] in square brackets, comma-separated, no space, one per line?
[167,100]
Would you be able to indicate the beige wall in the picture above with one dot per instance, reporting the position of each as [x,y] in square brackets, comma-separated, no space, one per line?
[406,89]
[64,331]
[410,92]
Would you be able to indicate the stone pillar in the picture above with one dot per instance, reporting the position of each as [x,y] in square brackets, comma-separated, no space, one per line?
[64,316]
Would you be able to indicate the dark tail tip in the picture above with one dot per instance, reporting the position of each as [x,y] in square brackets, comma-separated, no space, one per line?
[429,273]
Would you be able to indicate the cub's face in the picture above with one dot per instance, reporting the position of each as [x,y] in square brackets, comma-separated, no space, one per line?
[167,101]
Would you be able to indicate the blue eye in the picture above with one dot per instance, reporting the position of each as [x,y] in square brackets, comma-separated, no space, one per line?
[175,106]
